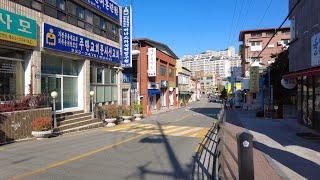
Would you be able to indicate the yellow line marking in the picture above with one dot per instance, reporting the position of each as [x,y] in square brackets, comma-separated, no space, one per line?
[81,156]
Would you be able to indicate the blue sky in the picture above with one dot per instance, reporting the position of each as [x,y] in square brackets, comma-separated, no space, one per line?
[193,26]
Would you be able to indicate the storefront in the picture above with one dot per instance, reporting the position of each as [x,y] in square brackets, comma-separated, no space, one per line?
[11,72]
[307,96]
[153,95]
[18,37]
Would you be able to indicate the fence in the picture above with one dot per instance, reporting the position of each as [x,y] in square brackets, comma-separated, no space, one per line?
[217,159]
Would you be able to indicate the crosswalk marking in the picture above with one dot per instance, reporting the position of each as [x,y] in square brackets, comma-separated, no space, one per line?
[169,130]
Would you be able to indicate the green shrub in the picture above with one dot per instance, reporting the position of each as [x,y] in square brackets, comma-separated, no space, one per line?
[138,108]
[126,110]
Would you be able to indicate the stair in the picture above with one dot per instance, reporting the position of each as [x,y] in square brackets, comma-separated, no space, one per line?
[76,121]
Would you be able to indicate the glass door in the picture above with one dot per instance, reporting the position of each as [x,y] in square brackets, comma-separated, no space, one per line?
[52,83]
[70,92]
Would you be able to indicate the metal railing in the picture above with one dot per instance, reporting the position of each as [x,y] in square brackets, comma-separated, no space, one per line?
[18,102]
[210,159]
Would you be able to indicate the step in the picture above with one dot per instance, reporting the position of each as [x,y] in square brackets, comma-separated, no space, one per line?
[74,116]
[62,114]
[70,121]
[81,128]
[77,124]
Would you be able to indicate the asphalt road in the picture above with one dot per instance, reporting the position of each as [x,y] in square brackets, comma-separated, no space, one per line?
[159,147]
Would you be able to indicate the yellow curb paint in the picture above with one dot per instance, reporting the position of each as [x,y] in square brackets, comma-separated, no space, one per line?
[81,156]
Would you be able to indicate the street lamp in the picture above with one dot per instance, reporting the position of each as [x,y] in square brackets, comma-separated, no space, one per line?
[54,95]
[91,95]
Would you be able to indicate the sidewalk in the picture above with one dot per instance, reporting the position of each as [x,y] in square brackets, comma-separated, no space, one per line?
[291,156]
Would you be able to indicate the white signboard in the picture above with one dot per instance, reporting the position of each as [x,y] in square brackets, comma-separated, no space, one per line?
[315,50]
[152,62]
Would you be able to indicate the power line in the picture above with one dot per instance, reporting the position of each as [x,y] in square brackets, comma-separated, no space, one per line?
[234,12]
[276,31]
[238,18]
[265,13]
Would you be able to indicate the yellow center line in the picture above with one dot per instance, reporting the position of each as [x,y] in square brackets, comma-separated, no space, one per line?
[81,156]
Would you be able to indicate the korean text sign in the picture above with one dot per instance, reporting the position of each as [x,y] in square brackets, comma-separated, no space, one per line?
[315,50]
[254,79]
[18,29]
[106,6]
[62,40]
[126,37]
[152,62]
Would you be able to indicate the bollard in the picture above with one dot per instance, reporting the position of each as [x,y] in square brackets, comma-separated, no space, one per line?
[245,156]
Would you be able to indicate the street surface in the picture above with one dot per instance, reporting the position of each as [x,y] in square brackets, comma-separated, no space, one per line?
[159,147]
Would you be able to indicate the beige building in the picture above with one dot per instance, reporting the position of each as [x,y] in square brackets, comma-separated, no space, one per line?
[74,48]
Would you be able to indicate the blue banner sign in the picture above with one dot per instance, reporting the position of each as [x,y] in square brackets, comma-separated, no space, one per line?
[106,6]
[126,36]
[65,41]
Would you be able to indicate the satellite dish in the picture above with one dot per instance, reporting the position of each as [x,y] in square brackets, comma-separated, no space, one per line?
[289,84]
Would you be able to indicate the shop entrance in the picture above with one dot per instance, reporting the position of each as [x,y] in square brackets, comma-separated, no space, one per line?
[61,75]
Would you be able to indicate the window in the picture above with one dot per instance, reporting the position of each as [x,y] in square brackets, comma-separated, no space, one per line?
[92,75]
[89,17]
[171,72]
[256,46]
[100,72]
[256,34]
[62,16]
[269,34]
[102,24]
[61,4]
[36,5]
[286,41]
[50,11]
[80,12]
[52,2]
[163,70]
[72,8]
[96,20]
[113,76]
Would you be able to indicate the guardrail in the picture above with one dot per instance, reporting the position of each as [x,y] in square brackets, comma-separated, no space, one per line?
[210,160]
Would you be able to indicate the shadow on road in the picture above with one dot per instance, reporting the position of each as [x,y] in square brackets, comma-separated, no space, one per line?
[178,172]
[207,111]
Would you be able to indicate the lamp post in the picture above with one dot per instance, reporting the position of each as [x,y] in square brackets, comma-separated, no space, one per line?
[91,96]
[54,95]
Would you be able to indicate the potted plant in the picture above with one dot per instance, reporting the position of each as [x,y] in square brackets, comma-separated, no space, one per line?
[42,127]
[111,114]
[138,111]
[126,114]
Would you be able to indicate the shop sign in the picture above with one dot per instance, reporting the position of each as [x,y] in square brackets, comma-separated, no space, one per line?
[17,29]
[126,37]
[61,40]
[254,79]
[152,62]
[107,7]
[315,50]
[153,85]
[163,84]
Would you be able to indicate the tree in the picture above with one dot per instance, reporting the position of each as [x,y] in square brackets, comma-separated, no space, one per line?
[224,94]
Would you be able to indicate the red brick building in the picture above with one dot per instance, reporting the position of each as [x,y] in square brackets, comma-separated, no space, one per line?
[253,41]
[157,89]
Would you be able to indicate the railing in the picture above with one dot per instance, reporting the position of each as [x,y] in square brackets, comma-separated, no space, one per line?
[210,160]
[10,102]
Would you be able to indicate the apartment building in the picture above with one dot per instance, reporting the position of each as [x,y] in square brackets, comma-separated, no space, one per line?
[254,40]
[304,60]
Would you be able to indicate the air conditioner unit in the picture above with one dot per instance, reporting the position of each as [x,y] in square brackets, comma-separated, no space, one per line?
[280,43]
[248,44]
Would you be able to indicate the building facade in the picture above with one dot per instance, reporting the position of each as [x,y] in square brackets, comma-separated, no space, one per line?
[253,41]
[66,46]
[304,60]
[155,65]
[184,85]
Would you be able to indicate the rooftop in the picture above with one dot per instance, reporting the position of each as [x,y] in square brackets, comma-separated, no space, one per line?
[241,36]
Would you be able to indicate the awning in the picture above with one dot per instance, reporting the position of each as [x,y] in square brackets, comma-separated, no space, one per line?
[153,91]
[306,72]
